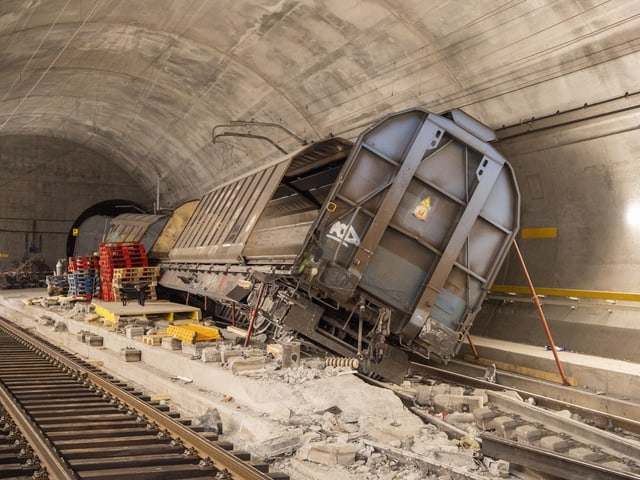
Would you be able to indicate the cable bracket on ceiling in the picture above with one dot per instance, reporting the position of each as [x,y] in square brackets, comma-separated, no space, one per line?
[244,123]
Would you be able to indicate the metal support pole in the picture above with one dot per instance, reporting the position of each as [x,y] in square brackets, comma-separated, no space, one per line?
[233,314]
[538,305]
[473,347]
[253,315]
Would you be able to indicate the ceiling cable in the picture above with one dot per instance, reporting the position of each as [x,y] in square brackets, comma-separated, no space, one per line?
[24,99]
[55,22]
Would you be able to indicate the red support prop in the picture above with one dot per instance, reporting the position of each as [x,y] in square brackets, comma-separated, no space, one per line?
[473,347]
[538,305]
[252,316]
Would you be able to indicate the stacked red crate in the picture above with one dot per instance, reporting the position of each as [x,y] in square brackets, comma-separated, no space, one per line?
[119,255]
[91,263]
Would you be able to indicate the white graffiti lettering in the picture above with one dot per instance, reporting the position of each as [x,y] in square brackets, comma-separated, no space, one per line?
[344,234]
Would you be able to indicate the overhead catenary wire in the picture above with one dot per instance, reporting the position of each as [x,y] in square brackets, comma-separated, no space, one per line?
[51,64]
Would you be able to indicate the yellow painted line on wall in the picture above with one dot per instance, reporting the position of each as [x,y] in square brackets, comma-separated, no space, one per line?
[546,232]
[566,292]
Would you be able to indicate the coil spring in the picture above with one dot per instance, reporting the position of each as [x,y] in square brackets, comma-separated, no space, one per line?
[353,363]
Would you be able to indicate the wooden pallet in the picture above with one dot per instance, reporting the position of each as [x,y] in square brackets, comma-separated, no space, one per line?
[153,340]
[117,296]
[113,312]
[134,273]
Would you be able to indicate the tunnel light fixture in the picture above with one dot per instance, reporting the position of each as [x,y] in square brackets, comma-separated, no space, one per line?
[633,215]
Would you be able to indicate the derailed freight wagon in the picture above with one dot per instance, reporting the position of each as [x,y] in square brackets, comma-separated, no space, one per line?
[379,249]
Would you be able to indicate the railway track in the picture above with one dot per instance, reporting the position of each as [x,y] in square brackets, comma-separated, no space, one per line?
[66,419]
[120,433]
[594,438]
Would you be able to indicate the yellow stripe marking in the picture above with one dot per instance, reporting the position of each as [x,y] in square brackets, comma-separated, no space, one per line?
[566,292]
[546,232]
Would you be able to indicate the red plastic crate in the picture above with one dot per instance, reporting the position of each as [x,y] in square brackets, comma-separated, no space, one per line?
[119,255]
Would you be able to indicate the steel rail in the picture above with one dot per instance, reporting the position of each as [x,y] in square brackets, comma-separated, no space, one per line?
[55,466]
[548,461]
[613,412]
[221,459]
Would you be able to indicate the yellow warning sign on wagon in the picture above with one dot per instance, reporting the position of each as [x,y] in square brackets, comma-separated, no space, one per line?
[421,212]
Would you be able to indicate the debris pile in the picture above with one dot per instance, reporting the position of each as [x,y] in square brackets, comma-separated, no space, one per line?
[312,417]
[31,273]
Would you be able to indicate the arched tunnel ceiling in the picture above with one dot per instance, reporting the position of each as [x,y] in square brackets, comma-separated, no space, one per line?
[143,83]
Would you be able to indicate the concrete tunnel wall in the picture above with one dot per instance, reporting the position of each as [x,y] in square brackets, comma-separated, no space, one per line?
[46,184]
[586,191]
[583,181]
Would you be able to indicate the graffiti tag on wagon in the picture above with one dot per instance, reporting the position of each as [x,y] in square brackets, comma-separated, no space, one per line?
[344,234]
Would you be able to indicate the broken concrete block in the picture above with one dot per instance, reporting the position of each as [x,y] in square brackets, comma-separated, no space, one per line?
[230,353]
[427,443]
[456,403]
[330,454]
[457,418]
[506,427]
[130,355]
[171,343]
[555,443]
[210,421]
[497,468]
[60,327]
[91,317]
[134,332]
[510,394]
[243,365]
[484,417]
[386,430]
[274,349]
[425,394]
[481,392]
[586,455]
[285,443]
[211,354]
[44,320]
[195,349]
[528,434]
[290,354]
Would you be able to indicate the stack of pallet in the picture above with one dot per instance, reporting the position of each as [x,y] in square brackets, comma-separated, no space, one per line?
[136,275]
[84,277]
[119,256]
[57,285]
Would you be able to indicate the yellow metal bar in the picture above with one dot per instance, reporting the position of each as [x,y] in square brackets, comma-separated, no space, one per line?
[106,314]
[546,232]
[567,292]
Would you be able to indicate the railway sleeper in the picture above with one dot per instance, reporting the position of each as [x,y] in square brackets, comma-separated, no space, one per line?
[512,428]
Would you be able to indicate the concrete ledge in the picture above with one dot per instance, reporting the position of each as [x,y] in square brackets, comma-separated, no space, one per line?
[596,374]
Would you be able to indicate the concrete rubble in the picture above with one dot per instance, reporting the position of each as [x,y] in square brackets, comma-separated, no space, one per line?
[310,420]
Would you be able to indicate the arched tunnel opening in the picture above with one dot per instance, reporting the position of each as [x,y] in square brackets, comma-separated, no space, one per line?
[92,225]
